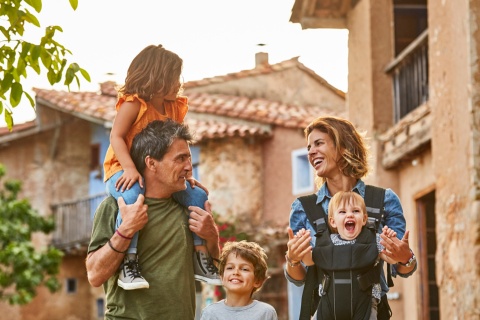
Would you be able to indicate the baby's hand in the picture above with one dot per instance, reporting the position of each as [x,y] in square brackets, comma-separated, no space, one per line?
[389,233]
[194,183]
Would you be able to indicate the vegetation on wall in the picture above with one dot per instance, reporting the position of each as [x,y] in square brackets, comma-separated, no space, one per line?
[18,56]
[23,268]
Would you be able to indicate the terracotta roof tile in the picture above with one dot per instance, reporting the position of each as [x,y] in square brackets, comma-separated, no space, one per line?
[100,106]
[264,69]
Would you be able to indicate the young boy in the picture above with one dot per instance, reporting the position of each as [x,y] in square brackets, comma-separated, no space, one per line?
[347,218]
[243,270]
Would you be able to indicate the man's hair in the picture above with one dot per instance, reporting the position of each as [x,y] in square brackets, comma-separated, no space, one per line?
[342,199]
[155,140]
[249,251]
[154,70]
[349,144]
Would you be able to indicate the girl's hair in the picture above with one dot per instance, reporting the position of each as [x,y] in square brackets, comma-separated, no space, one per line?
[249,251]
[342,199]
[348,142]
[153,70]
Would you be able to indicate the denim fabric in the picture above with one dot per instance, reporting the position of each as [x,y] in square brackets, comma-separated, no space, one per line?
[393,218]
[192,197]
[130,196]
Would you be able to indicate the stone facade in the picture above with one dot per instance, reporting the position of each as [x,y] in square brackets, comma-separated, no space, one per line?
[432,151]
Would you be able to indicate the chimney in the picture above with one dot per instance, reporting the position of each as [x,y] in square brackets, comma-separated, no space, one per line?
[261,58]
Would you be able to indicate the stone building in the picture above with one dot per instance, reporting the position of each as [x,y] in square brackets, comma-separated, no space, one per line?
[250,154]
[414,86]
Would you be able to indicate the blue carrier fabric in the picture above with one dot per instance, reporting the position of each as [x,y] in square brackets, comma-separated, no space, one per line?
[339,285]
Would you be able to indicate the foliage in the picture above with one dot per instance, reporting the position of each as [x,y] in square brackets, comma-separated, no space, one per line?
[227,230]
[17,55]
[22,268]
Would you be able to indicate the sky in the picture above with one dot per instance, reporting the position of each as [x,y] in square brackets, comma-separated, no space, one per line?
[213,37]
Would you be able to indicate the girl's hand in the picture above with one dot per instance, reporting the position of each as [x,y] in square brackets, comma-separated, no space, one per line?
[194,183]
[128,179]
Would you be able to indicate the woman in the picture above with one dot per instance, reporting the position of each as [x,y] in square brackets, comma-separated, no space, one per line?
[338,154]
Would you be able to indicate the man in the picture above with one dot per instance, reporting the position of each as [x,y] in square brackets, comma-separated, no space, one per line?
[161,153]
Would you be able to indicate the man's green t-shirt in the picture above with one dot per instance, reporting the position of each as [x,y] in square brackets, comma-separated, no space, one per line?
[165,254]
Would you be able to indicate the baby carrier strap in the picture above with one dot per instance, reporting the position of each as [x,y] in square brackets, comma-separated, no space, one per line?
[310,296]
[374,200]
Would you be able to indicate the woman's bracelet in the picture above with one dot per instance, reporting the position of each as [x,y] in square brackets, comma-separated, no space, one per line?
[116,250]
[290,262]
[121,235]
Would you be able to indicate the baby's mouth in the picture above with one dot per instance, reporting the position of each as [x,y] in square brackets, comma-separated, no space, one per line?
[350,226]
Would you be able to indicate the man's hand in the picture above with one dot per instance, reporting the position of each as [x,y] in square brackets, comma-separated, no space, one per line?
[134,216]
[201,222]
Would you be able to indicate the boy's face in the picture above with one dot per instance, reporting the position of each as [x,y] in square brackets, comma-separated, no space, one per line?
[348,219]
[238,276]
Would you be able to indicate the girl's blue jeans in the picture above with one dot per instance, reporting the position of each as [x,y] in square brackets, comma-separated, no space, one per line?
[188,197]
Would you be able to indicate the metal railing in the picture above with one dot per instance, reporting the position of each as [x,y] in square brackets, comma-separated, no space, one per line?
[73,222]
[410,77]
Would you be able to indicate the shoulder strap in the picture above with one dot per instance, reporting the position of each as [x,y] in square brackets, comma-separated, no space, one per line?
[374,200]
[310,298]
[315,214]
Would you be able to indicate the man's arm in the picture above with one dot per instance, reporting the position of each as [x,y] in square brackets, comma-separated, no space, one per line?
[102,263]
[201,222]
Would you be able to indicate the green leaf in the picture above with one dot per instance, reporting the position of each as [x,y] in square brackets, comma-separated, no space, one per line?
[16,94]
[8,119]
[29,97]
[69,76]
[35,4]
[85,74]
[32,19]
[74,4]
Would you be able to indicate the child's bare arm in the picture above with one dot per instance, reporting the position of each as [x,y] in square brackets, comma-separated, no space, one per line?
[124,119]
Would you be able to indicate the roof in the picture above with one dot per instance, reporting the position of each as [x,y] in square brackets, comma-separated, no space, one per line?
[210,115]
[264,70]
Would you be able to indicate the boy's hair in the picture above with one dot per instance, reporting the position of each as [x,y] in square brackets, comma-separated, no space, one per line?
[155,140]
[348,142]
[342,198]
[153,70]
[249,251]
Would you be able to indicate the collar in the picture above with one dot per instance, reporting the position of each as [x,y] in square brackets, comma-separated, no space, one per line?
[323,192]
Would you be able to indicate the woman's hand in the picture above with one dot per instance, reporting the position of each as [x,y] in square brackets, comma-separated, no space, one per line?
[298,245]
[395,249]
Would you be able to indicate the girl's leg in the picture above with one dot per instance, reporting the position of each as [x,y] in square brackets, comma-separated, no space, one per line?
[204,268]
[129,196]
[192,197]
[129,277]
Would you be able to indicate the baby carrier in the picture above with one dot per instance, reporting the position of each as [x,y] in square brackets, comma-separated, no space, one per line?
[339,286]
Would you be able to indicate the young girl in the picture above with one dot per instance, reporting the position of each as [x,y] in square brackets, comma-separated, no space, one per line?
[151,92]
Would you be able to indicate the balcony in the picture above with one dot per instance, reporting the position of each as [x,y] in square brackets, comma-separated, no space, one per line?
[410,77]
[411,134]
[73,221]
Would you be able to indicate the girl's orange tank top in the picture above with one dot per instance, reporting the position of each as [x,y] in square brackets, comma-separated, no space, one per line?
[175,110]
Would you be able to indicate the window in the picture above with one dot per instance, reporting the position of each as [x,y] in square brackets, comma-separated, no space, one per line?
[100,308]
[302,172]
[95,156]
[195,161]
[71,285]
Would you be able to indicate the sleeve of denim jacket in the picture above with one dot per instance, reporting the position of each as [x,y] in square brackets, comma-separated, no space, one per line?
[395,220]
